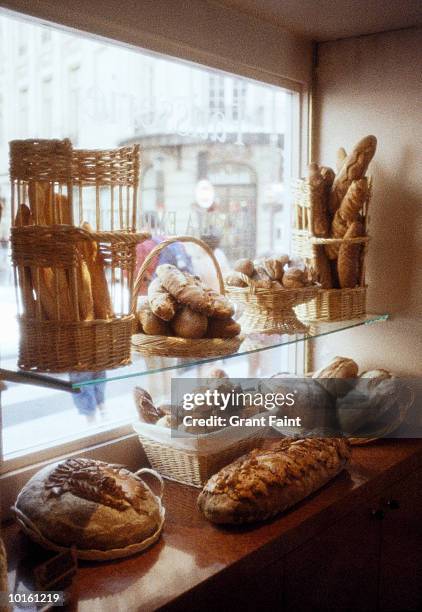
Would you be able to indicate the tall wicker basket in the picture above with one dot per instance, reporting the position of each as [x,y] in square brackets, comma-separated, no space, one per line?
[74,284]
[329,304]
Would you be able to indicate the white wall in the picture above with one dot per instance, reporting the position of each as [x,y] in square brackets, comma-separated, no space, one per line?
[372,85]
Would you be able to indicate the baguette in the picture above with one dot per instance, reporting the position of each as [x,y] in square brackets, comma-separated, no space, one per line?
[162,304]
[24,217]
[318,203]
[348,264]
[322,268]
[95,262]
[263,483]
[353,168]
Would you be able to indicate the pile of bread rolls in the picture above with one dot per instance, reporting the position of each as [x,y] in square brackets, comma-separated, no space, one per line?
[179,304]
[336,203]
[52,286]
[278,272]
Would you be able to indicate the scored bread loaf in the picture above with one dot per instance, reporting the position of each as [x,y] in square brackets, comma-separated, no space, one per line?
[353,200]
[162,304]
[354,167]
[328,175]
[339,367]
[236,279]
[349,258]
[263,483]
[294,278]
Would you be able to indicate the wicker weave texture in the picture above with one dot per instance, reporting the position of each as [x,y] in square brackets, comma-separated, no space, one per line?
[193,468]
[329,304]
[270,310]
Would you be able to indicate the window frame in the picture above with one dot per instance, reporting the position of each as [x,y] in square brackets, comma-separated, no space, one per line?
[120,439]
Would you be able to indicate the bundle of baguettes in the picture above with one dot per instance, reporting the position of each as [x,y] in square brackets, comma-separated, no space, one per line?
[263,483]
[52,286]
[336,203]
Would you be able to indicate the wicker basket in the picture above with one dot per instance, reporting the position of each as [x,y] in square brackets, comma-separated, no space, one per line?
[171,346]
[270,311]
[329,304]
[192,460]
[54,260]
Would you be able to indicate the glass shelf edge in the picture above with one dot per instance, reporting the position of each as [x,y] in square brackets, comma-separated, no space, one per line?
[56,382]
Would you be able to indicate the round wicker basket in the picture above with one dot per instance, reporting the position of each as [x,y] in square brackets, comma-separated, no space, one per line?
[270,311]
[172,346]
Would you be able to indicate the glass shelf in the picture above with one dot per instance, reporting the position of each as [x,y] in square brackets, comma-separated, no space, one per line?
[141,365]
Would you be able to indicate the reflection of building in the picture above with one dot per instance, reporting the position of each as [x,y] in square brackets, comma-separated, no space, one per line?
[192,124]
[243,207]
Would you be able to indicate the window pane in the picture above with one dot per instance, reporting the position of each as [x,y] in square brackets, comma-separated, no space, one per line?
[215,159]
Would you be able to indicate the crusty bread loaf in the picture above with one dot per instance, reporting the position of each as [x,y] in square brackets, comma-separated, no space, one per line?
[349,258]
[188,323]
[89,504]
[264,483]
[353,168]
[328,175]
[353,201]
[162,304]
[222,328]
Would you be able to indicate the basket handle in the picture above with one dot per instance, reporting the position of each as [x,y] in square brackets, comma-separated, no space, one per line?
[162,245]
[156,475]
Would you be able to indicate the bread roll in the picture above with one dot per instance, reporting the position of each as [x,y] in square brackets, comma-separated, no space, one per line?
[353,168]
[162,304]
[263,483]
[339,367]
[274,267]
[222,328]
[150,323]
[245,266]
[189,324]
[349,258]
[148,412]
[236,279]
[294,278]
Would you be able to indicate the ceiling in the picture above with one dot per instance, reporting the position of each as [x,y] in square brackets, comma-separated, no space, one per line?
[331,19]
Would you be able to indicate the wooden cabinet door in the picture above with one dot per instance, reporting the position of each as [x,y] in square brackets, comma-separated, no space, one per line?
[338,569]
[401,546]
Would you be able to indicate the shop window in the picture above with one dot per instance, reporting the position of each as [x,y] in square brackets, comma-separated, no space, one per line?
[213,146]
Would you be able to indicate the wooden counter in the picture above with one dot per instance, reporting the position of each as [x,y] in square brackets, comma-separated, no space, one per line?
[197,565]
